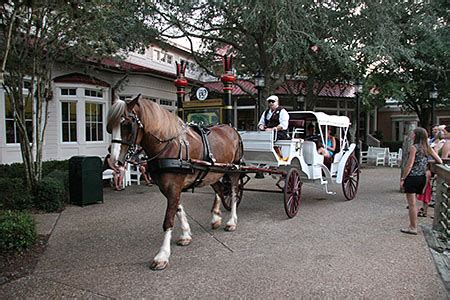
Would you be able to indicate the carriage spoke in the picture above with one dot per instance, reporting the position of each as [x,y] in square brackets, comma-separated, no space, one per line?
[350,178]
[292,192]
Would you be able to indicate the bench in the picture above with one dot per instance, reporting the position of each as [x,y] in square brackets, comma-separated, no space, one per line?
[378,155]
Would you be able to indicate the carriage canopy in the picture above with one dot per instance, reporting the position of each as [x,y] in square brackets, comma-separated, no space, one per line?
[321,118]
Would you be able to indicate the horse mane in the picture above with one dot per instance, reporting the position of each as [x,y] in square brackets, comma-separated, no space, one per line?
[116,112]
[158,120]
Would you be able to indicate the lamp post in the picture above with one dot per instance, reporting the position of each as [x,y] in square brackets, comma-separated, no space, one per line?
[227,79]
[358,91]
[260,82]
[181,83]
[433,97]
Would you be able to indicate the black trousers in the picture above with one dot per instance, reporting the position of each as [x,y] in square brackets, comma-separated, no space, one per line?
[282,135]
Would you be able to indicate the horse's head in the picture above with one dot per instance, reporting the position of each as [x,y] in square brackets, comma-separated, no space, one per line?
[124,125]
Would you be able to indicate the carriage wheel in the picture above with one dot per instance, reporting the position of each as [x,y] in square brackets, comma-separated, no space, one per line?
[226,199]
[292,192]
[350,178]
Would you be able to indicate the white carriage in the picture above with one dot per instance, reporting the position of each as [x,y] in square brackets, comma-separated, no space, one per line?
[297,159]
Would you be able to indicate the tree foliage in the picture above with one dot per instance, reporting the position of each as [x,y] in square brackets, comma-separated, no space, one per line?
[36,35]
[421,60]
[319,41]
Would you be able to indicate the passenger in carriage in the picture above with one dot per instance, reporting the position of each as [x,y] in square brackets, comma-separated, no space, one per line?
[329,149]
[275,118]
[310,131]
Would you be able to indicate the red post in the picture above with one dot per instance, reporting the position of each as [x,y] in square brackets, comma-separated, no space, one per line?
[228,78]
[181,83]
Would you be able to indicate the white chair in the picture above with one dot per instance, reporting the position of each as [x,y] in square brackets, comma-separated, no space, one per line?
[134,173]
[380,159]
[364,157]
[393,159]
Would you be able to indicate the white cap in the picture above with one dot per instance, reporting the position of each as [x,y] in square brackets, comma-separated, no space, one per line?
[272,97]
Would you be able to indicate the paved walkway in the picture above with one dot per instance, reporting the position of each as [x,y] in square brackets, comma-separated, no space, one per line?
[332,249]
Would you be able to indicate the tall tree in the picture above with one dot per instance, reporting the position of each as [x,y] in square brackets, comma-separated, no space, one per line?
[38,34]
[318,41]
[421,60]
[284,38]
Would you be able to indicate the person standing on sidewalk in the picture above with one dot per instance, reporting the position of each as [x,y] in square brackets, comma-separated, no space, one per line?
[414,179]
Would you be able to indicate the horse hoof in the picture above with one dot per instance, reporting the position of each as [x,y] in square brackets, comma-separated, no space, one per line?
[216,225]
[184,242]
[230,228]
[159,265]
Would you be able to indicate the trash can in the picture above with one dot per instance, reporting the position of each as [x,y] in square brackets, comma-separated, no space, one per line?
[85,180]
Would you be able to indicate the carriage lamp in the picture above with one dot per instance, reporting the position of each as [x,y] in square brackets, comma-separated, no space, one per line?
[260,82]
[434,94]
[358,90]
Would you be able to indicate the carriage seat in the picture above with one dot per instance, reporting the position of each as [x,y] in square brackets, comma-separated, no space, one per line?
[297,128]
[310,154]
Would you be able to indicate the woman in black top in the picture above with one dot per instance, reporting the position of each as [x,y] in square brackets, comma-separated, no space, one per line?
[413,179]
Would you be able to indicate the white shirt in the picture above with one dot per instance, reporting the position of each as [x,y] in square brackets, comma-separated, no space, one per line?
[284,118]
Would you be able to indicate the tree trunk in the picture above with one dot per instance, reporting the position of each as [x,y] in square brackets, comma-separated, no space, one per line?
[310,99]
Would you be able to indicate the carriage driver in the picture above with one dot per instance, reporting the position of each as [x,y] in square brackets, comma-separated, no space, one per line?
[275,118]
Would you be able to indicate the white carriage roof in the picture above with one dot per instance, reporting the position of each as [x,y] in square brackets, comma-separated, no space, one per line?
[322,118]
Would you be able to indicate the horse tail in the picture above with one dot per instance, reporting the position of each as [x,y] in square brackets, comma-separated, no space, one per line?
[240,150]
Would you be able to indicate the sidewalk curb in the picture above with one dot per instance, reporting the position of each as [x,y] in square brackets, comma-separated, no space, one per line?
[46,223]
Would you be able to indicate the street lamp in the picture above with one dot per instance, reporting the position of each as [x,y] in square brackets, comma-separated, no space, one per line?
[358,90]
[433,97]
[260,82]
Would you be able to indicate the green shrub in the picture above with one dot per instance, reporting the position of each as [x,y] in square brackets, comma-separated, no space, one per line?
[14,194]
[50,195]
[63,177]
[17,231]
[16,170]
[52,165]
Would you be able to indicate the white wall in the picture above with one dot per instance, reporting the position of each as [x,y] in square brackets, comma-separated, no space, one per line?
[54,147]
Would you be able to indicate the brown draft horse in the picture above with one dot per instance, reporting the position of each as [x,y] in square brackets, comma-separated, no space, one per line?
[164,135]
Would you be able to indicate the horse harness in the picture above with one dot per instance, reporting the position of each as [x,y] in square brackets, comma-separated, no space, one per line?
[185,165]
[159,165]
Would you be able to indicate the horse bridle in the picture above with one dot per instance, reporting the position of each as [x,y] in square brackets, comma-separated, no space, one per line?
[136,124]
[131,143]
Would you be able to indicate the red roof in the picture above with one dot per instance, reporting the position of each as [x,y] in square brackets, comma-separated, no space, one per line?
[292,87]
[80,78]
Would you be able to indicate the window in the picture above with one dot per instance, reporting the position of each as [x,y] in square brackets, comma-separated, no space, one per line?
[94,122]
[162,56]
[125,97]
[68,92]
[165,102]
[69,121]
[12,132]
[169,59]
[93,93]
[191,67]
[157,55]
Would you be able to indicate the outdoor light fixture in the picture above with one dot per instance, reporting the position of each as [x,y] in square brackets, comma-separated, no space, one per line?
[260,82]
[358,86]
[358,90]
[433,97]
